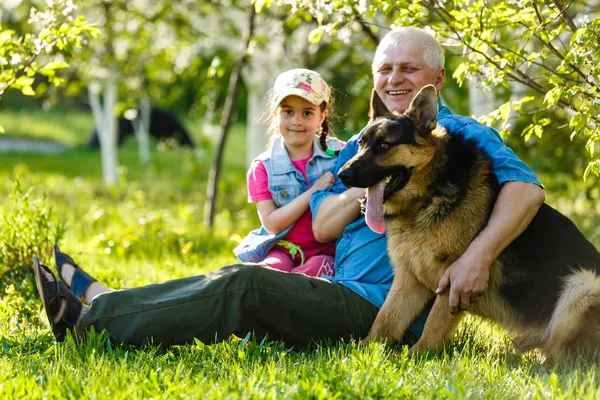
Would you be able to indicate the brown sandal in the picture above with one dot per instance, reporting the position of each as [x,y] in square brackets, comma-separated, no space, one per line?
[52,294]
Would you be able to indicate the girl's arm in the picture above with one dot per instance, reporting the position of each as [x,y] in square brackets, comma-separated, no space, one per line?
[276,219]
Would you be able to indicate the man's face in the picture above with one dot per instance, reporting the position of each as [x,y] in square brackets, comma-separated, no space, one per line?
[400,72]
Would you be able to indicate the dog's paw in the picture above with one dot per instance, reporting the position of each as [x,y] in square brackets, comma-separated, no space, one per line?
[423,346]
[417,348]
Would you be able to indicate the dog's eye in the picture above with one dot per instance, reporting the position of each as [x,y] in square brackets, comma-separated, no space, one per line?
[384,145]
[360,141]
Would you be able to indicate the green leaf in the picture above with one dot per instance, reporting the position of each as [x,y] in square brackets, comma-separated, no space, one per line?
[79,21]
[460,73]
[556,80]
[528,132]
[260,4]
[316,34]
[516,105]
[592,167]
[27,91]
[552,96]
[553,381]
[53,65]
[24,81]
[504,111]
[591,143]
[2,130]
[44,34]
[577,35]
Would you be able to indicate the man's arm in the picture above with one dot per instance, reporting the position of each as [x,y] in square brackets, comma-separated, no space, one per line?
[517,204]
[335,213]
[338,206]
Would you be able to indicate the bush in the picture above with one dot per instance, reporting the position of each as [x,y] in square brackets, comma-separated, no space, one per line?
[28,228]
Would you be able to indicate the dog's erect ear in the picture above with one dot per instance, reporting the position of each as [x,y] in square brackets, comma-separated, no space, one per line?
[378,109]
[423,109]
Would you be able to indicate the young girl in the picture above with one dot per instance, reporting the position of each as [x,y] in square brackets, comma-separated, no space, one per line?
[281,180]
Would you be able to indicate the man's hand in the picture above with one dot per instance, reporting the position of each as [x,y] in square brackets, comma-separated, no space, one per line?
[467,279]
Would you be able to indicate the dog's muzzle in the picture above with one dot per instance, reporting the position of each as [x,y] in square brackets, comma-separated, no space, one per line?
[346,177]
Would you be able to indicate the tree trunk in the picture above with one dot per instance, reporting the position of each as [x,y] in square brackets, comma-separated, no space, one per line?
[141,126]
[106,126]
[228,111]
[258,76]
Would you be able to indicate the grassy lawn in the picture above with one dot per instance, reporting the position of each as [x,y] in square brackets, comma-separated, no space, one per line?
[149,229]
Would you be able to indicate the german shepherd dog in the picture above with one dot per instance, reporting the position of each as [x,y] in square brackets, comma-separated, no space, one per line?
[434,193]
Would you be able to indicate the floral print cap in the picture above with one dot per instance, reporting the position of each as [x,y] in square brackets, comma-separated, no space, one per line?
[302,83]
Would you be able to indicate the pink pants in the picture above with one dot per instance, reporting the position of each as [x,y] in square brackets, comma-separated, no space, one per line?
[314,265]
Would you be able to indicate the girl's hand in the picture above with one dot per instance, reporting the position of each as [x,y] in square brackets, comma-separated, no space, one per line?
[324,182]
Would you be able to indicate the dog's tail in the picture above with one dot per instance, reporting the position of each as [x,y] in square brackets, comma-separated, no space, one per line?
[575,323]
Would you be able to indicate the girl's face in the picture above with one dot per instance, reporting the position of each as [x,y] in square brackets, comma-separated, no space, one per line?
[298,121]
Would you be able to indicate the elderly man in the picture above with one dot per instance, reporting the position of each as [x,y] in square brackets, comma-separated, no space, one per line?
[407,59]
[295,308]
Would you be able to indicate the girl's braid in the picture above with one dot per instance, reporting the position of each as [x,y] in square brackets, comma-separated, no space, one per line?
[323,135]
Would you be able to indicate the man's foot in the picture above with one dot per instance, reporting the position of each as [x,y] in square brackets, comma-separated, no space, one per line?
[77,280]
[62,307]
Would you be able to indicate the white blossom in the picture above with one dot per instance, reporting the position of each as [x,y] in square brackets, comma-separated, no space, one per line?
[33,15]
[38,44]
[584,21]
[518,3]
[361,8]
[15,59]
[344,34]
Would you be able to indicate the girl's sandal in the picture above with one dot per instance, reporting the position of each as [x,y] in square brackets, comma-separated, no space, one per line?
[81,279]
[52,294]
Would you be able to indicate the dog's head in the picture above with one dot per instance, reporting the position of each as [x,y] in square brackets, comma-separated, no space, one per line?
[392,148]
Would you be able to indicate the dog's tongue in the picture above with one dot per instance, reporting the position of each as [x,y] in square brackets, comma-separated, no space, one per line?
[374,213]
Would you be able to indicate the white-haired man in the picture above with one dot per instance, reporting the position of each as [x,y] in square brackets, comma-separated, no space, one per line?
[407,59]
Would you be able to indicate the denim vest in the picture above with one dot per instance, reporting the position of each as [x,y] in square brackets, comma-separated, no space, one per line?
[285,184]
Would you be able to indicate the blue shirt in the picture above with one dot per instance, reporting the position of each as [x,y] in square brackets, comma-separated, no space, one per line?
[361,260]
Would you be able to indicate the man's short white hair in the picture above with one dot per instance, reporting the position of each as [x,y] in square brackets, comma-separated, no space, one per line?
[433,54]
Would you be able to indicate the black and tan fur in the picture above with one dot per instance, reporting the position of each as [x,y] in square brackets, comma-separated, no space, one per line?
[544,288]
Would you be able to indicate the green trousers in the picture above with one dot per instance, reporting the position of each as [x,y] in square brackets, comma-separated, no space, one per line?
[232,300]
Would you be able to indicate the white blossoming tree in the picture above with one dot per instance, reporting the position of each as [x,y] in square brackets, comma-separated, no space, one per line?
[56,34]
[146,50]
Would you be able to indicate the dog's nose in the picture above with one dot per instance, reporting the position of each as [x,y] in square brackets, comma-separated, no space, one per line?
[346,176]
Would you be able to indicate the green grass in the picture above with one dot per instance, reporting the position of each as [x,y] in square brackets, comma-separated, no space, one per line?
[70,127]
[149,229]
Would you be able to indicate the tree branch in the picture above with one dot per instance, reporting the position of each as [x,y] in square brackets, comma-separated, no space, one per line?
[563,14]
[234,84]
[367,30]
